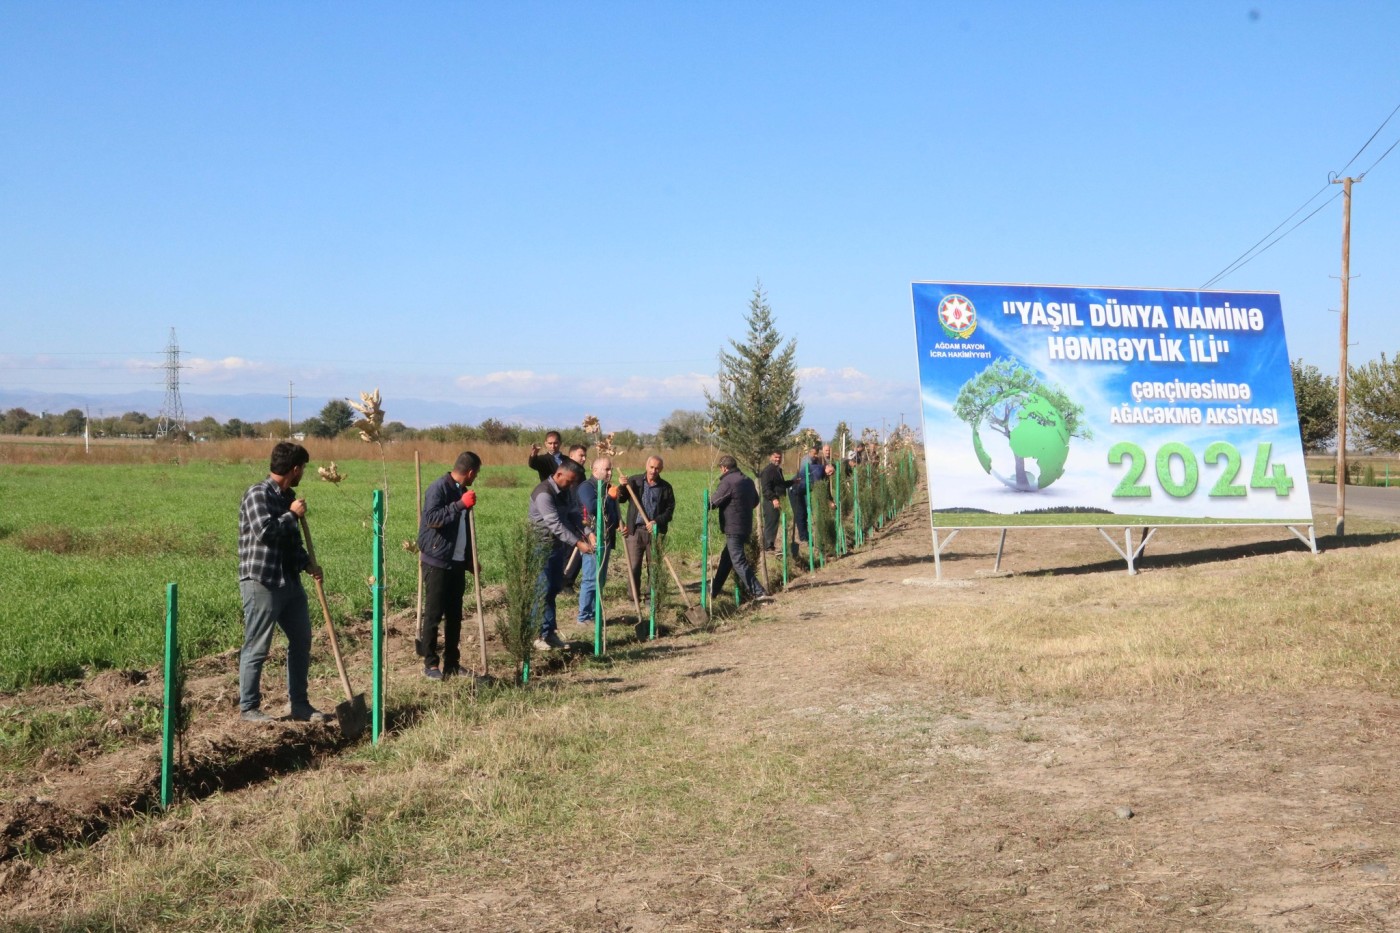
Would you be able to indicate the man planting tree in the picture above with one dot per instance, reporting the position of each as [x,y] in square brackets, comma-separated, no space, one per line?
[735,498]
[271,559]
[444,556]
[553,516]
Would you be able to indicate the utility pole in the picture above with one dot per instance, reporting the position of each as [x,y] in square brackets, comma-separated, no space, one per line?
[289,409]
[1346,184]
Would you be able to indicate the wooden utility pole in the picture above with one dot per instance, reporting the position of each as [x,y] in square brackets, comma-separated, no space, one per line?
[289,410]
[1342,365]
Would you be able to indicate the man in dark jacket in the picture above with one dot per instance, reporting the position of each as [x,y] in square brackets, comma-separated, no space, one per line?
[772,488]
[545,463]
[659,500]
[445,555]
[736,497]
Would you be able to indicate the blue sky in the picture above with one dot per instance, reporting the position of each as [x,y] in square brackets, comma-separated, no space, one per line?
[538,210]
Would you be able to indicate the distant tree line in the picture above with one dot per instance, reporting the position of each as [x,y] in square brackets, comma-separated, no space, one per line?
[335,420]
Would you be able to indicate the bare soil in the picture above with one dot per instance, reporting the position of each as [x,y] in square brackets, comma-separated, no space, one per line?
[1265,812]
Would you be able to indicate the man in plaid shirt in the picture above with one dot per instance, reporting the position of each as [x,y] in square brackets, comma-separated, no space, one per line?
[270,561]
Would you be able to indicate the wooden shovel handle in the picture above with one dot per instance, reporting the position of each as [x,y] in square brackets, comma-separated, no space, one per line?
[326,612]
[637,500]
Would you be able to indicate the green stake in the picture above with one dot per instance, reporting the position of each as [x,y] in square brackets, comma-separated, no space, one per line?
[651,578]
[840,536]
[811,532]
[377,632]
[599,554]
[705,555]
[170,716]
[784,532]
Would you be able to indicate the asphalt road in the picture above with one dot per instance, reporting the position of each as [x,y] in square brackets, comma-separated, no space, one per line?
[1370,501]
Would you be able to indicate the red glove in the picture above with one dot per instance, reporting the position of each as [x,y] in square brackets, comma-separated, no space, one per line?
[469,498]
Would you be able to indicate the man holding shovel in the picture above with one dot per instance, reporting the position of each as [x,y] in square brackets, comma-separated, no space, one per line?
[736,497]
[445,554]
[606,517]
[271,559]
[658,500]
[554,518]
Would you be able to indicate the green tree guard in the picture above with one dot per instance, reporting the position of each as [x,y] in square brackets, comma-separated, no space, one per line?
[377,632]
[170,718]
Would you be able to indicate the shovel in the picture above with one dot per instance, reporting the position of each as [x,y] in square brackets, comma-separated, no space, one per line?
[352,714]
[693,614]
[476,582]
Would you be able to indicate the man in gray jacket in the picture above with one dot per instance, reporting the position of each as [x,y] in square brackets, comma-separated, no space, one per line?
[556,520]
[736,497]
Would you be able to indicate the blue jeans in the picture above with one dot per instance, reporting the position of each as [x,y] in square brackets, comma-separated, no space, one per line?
[264,608]
[547,587]
[591,581]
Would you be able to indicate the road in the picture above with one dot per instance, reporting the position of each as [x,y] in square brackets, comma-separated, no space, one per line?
[1370,501]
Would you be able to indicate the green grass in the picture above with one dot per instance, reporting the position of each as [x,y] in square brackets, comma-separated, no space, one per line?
[88,551]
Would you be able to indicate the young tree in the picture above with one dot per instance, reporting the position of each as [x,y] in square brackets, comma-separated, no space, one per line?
[757,408]
[1373,400]
[1317,405]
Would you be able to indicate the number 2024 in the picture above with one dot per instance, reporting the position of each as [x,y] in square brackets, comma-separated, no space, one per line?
[1263,476]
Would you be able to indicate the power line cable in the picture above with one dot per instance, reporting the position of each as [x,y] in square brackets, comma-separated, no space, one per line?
[1250,254]
[1369,141]
[1378,161]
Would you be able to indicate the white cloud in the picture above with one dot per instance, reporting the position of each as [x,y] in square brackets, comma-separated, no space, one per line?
[850,386]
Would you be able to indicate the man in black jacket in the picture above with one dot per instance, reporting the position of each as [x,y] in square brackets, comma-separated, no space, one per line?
[736,498]
[659,500]
[546,463]
[772,488]
[445,554]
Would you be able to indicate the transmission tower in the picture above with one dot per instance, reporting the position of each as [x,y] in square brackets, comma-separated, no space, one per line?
[172,412]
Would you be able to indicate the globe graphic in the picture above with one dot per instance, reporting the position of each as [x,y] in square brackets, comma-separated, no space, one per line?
[1031,454]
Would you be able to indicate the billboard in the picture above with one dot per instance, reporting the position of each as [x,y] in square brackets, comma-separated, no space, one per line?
[1052,405]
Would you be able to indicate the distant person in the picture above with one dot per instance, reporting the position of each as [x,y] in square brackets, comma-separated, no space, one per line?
[271,559]
[772,488]
[545,463]
[605,518]
[736,497]
[444,557]
[659,500]
[552,515]
[858,455]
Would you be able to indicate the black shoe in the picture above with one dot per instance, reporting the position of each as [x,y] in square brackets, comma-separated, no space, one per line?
[432,673]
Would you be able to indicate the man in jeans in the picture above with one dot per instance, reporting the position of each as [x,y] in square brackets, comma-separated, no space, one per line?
[444,551]
[270,561]
[605,517]
[554,519]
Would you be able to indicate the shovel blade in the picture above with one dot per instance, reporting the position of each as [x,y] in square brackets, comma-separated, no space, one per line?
[353,716]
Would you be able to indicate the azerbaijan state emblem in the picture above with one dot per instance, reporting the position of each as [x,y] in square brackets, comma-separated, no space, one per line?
[958,316]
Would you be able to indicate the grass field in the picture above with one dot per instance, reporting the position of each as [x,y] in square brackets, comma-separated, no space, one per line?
[89,549]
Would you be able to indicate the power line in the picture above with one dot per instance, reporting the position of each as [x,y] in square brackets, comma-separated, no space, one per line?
[1254,251]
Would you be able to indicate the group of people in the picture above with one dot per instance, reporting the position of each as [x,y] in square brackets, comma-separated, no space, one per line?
[566,511]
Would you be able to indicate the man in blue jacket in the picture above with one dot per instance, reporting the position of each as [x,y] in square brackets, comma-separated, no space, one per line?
[595,566]
[736,497]
[445,555]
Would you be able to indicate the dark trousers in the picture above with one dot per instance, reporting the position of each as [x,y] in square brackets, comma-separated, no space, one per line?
[772,518]
[798,498]
[734,556]
[638,544]
[443,589]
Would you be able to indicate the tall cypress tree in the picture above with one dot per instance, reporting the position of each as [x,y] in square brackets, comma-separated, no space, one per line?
[756,410]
